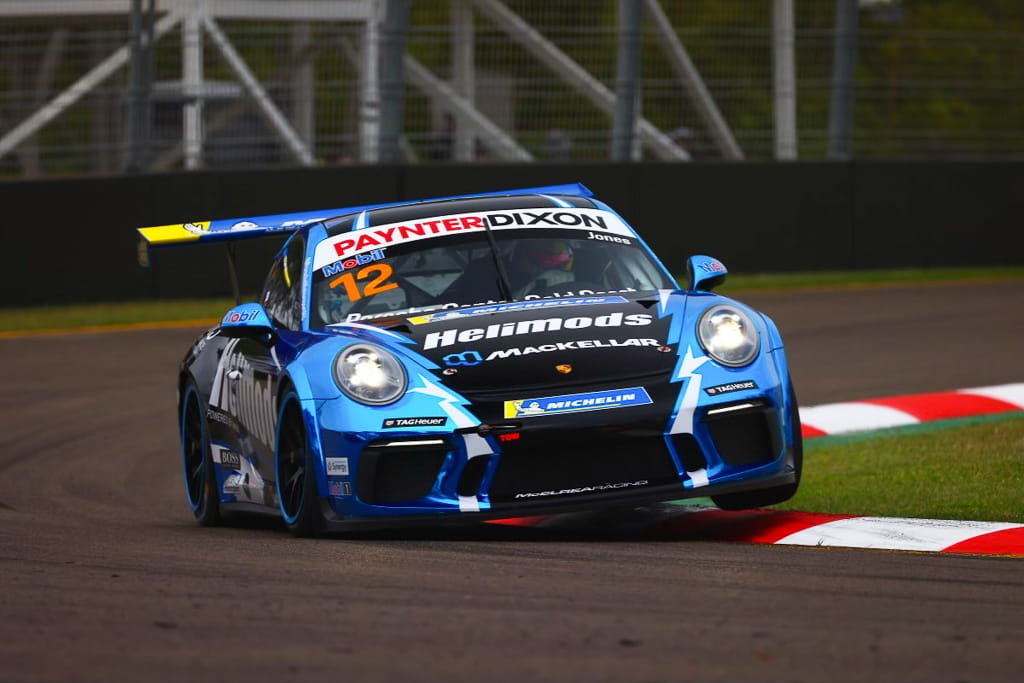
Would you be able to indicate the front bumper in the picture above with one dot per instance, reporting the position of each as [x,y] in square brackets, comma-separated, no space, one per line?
[546,466]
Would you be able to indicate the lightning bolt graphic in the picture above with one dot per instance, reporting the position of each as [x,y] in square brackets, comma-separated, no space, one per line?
[683,421]
[475,444]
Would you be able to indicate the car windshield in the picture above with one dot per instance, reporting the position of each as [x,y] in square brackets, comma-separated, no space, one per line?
[472,265]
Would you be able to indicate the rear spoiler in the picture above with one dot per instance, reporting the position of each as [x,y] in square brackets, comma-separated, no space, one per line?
[233,229]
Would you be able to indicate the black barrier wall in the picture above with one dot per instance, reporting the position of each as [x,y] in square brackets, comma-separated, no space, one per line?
[75,240]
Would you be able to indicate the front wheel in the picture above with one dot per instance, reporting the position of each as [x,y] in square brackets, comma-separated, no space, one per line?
[296,478]
[200,478]
[746,500]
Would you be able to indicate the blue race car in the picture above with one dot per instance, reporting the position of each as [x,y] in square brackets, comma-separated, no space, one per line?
[477,357]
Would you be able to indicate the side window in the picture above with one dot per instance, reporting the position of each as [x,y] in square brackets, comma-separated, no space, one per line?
[282,293]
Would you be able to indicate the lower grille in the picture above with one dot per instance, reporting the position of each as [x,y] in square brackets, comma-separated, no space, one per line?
[574,466]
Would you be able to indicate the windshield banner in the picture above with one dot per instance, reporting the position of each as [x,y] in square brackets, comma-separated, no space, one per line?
[346,245]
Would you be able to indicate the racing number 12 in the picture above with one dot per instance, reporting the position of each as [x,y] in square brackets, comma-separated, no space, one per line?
[374,286]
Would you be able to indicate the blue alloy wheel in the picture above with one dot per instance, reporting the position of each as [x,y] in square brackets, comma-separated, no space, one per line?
[296,483]
[200,480]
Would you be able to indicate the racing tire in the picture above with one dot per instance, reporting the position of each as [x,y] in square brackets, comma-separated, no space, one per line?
[296,477]
[200,477]
[746,500]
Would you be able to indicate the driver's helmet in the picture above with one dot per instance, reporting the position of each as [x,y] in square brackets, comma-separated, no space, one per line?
[547,254]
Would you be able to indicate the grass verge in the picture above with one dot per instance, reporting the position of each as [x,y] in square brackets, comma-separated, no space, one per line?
[133,312]
[78,316]
[971,469]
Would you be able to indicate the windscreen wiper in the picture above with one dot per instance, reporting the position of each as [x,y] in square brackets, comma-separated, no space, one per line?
[503,285]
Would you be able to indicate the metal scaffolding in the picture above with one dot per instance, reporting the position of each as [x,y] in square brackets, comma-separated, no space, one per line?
[384,68]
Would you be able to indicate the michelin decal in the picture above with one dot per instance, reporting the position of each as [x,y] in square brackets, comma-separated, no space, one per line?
[577,403]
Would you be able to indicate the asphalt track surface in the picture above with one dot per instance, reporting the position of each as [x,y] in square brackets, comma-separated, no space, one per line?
[105,577]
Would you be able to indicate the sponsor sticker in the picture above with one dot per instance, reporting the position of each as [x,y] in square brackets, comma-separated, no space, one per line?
[515,306]
[341,488]
[468,358]
[607,238]
[239,317]
[584,489]
[337,467]
[354,262]
[230,459]
[349,244]
[577,403]
[576,345]
[732,386]
[711,267]
[400,422]
[469,335]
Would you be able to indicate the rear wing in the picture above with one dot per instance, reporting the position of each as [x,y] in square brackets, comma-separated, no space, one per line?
[233,229]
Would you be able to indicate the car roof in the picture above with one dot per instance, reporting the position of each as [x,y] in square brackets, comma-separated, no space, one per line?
[418,210]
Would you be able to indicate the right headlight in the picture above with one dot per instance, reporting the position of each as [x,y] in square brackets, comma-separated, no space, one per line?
[370,374]
[728,335]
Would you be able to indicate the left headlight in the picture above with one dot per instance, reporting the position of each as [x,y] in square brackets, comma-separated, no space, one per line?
[728,335]
[370,374]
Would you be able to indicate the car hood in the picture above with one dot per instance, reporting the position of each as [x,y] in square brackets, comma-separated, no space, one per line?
[549,342]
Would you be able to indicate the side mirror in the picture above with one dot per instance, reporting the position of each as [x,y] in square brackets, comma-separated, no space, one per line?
[247,320]
[705,273]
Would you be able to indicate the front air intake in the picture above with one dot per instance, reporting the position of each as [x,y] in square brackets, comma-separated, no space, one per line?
[396,471]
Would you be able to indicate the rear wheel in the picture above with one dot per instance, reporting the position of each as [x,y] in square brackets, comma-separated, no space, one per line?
[200,478]
[296,478]
[746,500]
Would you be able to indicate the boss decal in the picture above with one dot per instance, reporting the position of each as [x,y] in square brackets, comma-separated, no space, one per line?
[577,403]
[230,459]
[733,386]
[468,336]
[398,422]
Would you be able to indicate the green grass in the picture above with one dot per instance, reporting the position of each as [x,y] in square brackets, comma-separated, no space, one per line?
[862,278]
[89,315]
[117,313]
[971,469]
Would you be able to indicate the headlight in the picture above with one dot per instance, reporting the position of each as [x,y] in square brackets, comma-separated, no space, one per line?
[370,374]
[728,335]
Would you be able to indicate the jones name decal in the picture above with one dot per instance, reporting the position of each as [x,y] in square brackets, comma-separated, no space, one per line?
[577,403]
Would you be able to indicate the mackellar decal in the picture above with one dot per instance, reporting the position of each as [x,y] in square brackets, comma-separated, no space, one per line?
[470,358]
[347,245]
[436,340]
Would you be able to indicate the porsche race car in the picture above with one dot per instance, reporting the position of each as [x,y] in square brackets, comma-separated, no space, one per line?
[477,357]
